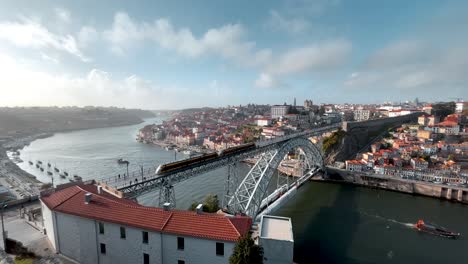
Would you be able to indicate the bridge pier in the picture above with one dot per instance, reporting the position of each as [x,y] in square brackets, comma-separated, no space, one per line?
[167,195]
[230,184]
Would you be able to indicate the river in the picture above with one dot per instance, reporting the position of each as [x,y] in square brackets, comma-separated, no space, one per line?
[332,223]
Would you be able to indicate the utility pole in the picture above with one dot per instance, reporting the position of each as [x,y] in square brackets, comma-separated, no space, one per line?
[3,226]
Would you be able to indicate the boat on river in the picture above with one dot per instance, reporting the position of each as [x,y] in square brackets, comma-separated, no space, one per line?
[31,163]
[49,173]
[122,161]
[435,230]
[57,170]
[62,176]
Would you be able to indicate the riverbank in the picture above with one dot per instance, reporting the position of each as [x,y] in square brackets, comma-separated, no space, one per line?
[440,191]
[21,184]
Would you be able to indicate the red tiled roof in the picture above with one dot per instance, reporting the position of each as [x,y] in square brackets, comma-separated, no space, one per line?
[108,208]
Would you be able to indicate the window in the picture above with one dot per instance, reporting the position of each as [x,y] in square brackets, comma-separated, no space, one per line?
[101,228]
[145,258]
[219,249]
[181,261]
[123,235]
[145,237]
[180,243]
[103,248]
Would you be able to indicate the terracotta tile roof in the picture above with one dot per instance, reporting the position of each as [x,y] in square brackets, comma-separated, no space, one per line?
[108,208]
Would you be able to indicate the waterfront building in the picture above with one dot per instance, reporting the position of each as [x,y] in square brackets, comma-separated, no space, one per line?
[90,225]
[419,163]
[356,165]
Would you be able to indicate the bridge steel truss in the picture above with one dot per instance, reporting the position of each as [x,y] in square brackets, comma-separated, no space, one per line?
[253,189]
[167,181]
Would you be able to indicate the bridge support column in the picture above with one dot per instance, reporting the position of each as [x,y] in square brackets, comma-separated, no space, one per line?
[167,195]
[230,185]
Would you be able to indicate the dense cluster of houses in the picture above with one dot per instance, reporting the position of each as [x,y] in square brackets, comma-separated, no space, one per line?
[429,150]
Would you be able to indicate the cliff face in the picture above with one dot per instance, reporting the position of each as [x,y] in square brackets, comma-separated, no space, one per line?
[346,148]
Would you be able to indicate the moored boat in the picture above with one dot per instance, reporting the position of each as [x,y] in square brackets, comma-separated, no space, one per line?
[31,163]
[435,230]
[57,170]
[49,173]
[62,176]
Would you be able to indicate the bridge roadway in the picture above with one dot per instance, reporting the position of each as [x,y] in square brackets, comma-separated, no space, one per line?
[133,187]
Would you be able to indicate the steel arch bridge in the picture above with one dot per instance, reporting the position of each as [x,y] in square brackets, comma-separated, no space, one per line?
[249,194]
[241,196]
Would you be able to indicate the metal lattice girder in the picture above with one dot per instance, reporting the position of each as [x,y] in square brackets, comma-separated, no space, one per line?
[133,189]
[252,190]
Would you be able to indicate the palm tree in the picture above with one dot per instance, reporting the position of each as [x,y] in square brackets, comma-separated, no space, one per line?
[246,252]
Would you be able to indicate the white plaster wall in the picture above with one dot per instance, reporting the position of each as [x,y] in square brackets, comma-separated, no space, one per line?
[130,249]
[195,250]
[77,238]
[277,251]
[48,220]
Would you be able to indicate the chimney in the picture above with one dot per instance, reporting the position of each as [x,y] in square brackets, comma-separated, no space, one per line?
[200,209]
[87,198]
[167,206]
[99,189]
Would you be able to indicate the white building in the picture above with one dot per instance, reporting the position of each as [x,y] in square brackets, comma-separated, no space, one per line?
[263,122]
[276,236]
[278,111]
[89,225]
[361,114]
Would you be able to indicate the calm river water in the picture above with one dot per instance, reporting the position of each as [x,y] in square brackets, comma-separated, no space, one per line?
[332,223]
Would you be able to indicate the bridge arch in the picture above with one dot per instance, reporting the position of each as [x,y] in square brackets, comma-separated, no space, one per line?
[253,189]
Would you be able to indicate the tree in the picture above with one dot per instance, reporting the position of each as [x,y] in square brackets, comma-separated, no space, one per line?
[246,252]
[210,204]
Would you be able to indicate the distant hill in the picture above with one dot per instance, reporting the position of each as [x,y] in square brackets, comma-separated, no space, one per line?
[22,121]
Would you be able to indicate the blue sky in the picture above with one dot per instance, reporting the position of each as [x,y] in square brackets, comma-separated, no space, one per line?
[178,54]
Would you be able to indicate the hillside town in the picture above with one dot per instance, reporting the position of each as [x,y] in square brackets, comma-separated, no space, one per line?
[213,129]
[433,149]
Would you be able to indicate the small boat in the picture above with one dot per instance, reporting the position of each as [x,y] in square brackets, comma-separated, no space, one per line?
[77,178]
[42,169]
[49,173]
[66,173]
[435,230]
[37,166]
[31,163]
[122,161]
[57,170]
[62,176]
[39,162]
[187,152]
[48,165]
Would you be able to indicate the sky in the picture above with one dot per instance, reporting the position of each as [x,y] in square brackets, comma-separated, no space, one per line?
[179,54]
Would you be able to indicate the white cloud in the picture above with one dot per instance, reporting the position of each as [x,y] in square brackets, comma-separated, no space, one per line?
[294,25]
[267,81]
[414,68]
[316,57]
[30,34]
[86,36]
[97,87]
[63,15]
[226,41]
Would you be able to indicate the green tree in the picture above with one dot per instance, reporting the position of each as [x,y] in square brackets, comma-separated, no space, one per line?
[246,252]
[210,204]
